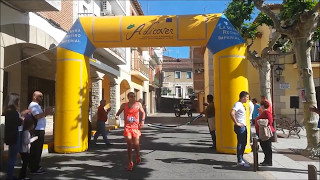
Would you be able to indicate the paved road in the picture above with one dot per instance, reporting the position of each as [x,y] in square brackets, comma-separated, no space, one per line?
[175,153]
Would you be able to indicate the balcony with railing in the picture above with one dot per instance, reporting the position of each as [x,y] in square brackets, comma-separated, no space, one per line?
[156,81]
[36,6]
[86,14]
[139,69]
[115,55]
[114,7]
[153,79]
[151,75]
[120,52]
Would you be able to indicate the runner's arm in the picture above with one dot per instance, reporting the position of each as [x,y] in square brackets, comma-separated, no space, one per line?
[143,115]
[120,110]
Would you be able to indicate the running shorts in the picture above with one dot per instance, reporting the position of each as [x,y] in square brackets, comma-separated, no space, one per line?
[131,132]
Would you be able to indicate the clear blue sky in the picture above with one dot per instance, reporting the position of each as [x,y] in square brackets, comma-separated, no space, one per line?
[184,7]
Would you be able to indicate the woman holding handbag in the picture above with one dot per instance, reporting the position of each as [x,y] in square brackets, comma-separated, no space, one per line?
[265,144]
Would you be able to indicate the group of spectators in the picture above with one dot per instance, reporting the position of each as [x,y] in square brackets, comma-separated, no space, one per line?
[238,116]
[24,133]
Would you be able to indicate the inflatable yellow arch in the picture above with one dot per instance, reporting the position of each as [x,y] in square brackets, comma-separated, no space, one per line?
[88,33]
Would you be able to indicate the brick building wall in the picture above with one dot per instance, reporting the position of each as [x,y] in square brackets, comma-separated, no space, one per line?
[198,78]
[64,17]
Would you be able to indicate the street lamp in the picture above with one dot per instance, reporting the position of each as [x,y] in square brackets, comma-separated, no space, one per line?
[278,72]
[272,57]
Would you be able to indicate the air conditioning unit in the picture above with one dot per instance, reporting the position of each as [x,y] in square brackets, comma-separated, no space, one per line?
[106,8]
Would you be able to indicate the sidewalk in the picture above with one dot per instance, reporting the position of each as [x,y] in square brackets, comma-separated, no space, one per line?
[174,153]
[286,163]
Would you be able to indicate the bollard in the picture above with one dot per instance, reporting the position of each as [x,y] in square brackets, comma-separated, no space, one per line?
[312,172]
[255,154]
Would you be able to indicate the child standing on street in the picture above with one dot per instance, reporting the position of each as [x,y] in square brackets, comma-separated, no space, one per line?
[26,140]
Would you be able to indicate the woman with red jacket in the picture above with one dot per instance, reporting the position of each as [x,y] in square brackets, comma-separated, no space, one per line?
[265,145]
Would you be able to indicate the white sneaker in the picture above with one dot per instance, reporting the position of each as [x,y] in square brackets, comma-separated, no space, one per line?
[246,161]
[244,164]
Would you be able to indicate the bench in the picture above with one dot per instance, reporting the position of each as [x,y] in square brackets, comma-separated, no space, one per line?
[293,127]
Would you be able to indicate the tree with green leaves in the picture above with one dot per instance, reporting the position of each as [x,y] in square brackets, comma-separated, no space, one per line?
[239,12]
[298,21]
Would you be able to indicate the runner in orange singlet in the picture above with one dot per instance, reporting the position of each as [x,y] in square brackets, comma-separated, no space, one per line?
[132,126]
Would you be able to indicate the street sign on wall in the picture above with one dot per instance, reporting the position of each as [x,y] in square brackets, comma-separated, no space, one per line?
[284,86]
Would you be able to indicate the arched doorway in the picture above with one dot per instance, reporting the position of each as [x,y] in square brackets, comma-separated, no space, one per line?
[124,90]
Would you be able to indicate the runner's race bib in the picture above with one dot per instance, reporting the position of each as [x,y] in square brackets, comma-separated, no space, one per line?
[131,119]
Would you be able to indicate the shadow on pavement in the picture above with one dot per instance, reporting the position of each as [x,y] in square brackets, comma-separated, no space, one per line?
[163,150]
[101,162]
[287,170]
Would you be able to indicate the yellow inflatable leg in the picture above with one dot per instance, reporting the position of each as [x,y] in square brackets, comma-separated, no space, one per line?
[72,102]
[229,80]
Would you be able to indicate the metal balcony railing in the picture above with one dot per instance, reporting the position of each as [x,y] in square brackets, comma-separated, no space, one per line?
[138,65]
[85,14]
[122,3]
[156,81]
[36,6]
[119,51]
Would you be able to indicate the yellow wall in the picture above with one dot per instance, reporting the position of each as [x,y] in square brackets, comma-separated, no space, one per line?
[203,96]
[201,99]
[124,90]
[316,72]
[252,73]
[137,81]
[291,77]
[106,91]
[138,87]
[206,71]
[254,82]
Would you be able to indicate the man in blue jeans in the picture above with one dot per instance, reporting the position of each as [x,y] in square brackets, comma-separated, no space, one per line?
[238,116]
[102,117]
